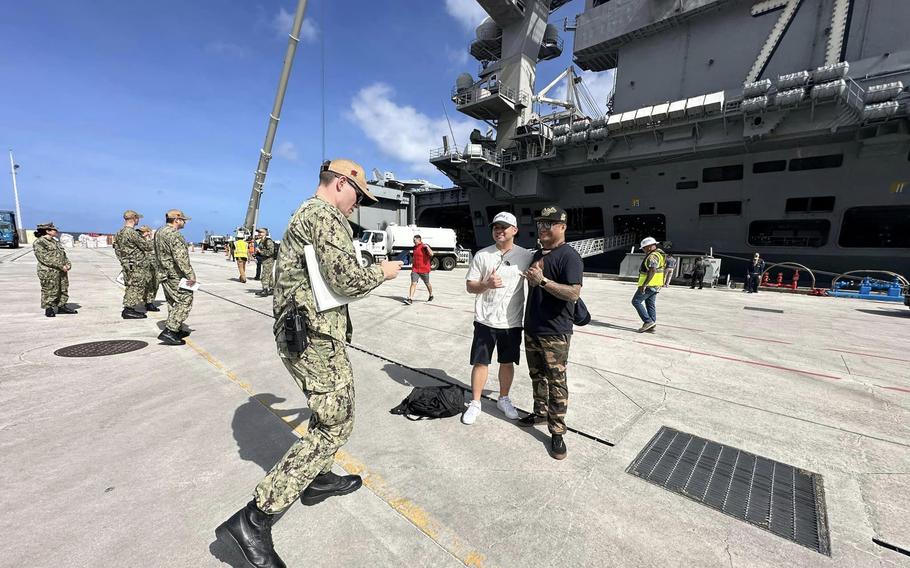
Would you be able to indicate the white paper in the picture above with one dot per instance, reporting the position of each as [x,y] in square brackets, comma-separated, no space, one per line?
[185,286]
[325,297]
[120,279]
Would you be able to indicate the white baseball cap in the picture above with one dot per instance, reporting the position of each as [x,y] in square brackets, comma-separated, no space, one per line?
[505,218]
[648,242]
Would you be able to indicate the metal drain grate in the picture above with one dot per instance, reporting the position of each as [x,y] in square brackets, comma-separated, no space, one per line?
[101,348]
[769,310]
[777,497]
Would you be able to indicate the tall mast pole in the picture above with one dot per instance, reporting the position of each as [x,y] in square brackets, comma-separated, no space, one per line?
[265,154]
[19,225]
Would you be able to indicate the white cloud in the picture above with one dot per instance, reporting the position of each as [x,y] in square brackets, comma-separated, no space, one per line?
[468,12]
[401,131]
[458,57]
[284,21]
[226,48]
[599,84]
[286,150]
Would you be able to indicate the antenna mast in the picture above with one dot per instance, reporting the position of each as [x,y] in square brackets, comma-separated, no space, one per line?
[265,154]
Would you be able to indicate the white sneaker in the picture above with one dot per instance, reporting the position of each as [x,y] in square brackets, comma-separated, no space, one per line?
[505,405]
[471,413]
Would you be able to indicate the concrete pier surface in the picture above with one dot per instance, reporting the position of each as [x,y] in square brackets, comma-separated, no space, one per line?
[134,459]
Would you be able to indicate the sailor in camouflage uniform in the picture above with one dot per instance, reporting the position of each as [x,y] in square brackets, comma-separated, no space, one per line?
[173,261]
[151,272]
[53,271]
[266,250]
[322,371]
[131,251]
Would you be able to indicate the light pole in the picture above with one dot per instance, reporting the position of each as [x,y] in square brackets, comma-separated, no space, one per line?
[20,227]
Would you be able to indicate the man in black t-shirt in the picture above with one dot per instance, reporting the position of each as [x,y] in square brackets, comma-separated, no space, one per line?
[554,284]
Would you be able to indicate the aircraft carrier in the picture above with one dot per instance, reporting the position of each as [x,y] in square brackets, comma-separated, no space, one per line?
[738,126]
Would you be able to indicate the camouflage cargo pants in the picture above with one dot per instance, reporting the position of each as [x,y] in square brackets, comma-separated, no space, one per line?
[267,274]
[134,282]
[151,286]
[547,356]
[55,285]
[324,365]
[179,304]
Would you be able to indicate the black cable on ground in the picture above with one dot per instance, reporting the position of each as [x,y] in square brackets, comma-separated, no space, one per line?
[418,371]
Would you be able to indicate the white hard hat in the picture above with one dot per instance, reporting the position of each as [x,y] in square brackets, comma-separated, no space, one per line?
[505,218]
[648,242]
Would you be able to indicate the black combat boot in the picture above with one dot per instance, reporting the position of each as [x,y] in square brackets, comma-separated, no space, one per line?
[132,314]
[169,337]
[65,310]
[328,485]
[250,530]
[49,312]
[150,307]
[558,447]
[183,333]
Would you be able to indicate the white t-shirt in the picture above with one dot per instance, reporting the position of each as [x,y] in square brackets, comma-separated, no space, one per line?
[500,308]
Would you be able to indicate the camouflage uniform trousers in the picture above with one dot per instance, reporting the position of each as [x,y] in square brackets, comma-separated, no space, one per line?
[179,304]
[135,280]
[151,286]
[268,272]
[547,356]
[324,374]
[55,285]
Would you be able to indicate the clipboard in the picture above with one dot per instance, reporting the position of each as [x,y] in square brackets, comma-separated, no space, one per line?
[325,297]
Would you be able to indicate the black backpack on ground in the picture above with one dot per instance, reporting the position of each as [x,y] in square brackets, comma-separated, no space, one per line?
[431,402]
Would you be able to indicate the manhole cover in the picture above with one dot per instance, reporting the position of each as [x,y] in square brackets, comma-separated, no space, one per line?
[777,497]
[100,348]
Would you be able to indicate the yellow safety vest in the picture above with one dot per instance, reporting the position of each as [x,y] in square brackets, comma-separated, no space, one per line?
[658,279]
[240,249]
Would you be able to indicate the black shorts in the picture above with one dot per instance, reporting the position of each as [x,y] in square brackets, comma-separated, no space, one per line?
[506,341]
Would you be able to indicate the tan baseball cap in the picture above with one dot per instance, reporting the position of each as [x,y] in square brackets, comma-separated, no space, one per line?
[145,229]
[176,214]
[352,171]
[129,214]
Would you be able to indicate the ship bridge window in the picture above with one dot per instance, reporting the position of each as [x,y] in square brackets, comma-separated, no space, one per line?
[584,223]
[769,167]
[594,189]
[691,184]
[722,173]
[876,227]
[789,233]
[810,204]
[816,162]
[720,208]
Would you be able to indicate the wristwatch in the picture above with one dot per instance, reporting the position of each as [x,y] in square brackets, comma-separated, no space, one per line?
[544,282]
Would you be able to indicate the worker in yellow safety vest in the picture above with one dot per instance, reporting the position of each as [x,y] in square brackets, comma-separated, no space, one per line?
[650,281]
[241,254]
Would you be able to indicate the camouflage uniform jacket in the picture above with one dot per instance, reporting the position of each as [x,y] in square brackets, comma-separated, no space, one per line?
[131,248]
[50,255]
[266,248]
[322,225]
[172,255]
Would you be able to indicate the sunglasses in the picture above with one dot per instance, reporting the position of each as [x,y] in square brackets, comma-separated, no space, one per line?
[546,225]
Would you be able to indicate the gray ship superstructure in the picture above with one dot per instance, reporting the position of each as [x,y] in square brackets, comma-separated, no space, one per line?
[776,126]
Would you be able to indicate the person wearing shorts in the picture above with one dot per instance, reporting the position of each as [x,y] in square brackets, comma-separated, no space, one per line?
[420,269]
[495,280]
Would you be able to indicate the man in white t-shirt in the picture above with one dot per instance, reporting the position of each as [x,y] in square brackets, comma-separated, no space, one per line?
[495,279]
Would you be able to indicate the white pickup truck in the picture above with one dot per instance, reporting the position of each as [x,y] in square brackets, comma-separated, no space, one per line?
[397,241]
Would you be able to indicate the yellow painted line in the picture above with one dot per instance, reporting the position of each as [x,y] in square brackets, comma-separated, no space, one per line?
[417,515]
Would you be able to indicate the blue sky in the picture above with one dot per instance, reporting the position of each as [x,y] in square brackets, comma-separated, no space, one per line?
[110,105]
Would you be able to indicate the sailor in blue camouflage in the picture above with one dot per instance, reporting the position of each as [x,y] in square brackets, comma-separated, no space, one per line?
[323,371]
[53,266]
[173,259]
[132,250]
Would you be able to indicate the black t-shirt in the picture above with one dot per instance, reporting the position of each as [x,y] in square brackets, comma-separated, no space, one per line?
[545,314]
